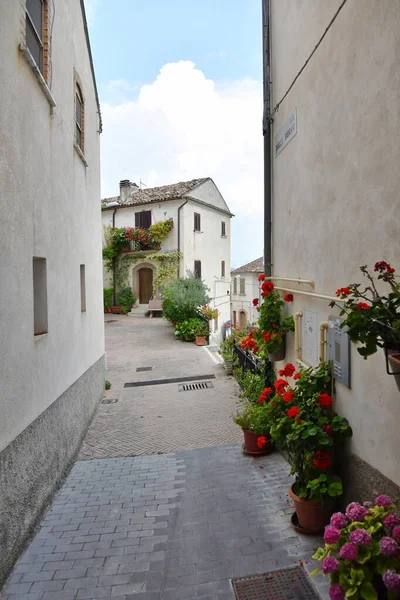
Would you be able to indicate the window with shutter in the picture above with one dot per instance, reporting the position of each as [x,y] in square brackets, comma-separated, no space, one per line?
[36,13]
[242,285]
[222,268]
[235,285]
[234,318]
[197,222]
[223,229]
[143,219]
[197,268]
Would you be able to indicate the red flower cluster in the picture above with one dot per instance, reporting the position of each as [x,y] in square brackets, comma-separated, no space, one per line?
[383,266]
[363,306]
[297,376]
[287,370]
[343,292]
[267,287]
[255,302]
[280,385]
[261,277]
[327,429]
[264,395]
[249,342]
[325,400]
[322,459]
[293,412]
[267,337]
[288,396]
[261,441]
[288,297]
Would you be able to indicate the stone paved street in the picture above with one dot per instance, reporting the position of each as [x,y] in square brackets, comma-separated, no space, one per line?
[168,527]
[158,419]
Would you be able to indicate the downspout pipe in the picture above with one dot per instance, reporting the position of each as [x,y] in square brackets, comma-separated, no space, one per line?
[114,267]
[179,233]
[267,139]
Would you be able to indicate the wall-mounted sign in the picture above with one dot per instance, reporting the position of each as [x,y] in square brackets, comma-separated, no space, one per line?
[286,132]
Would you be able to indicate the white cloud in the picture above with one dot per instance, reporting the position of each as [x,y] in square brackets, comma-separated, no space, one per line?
[183,126]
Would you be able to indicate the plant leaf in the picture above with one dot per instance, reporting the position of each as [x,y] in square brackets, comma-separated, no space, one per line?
[368,592]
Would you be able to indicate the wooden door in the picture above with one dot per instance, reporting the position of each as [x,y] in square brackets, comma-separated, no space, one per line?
[242,319]
[145,285]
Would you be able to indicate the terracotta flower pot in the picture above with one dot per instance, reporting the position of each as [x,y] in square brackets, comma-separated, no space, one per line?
[200,340]
[280,353]
[126,249]
[394,361]
[250,445]
[311,517]
[116,310]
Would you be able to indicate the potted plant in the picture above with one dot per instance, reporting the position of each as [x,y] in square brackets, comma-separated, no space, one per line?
[209,313]
[125,299]
[186,330]
[253,419]
[362,552]
[107,298]
[372,318]
[201,332]
[226,350]
[306,428]
[268,339]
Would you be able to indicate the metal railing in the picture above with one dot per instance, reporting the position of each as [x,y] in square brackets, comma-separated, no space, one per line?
[249,362]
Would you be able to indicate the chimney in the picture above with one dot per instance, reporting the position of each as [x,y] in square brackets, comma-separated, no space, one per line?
[126,189]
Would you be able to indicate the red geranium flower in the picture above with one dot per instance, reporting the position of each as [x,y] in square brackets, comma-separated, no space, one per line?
[261,277]
[288,297]
[267,287]
[293,412]
[322,459]
[363,306]
[289,369]
[297,376]
[288,396]
[267,337]
[325,400]
[280,385]
[343,292]
[255,302]
[383,266]
[261,441]
[327,429]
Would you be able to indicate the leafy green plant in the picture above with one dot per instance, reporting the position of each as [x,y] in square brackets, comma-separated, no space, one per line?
[362,551]
[202,329]
[107,385]
[161,230]
[226,347]
[371,318]
[253,417]
[305,427]
[125,298]
[108,297]
[186,330]
[183,297]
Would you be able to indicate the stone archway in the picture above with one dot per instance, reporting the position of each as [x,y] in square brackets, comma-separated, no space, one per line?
[143,275]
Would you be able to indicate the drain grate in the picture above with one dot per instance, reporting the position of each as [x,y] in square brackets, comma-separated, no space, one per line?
[111,321]
[109,401]
[284,584]
[142,369]
[164,381]
[190,387]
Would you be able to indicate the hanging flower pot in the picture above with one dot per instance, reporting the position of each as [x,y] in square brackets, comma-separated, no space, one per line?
[280,353]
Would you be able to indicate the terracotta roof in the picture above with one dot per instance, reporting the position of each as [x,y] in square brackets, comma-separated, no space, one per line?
[255,266]
[157,194]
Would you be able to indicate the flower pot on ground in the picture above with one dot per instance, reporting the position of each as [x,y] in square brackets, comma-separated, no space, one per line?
[362,552]
[226,351]
[311,517]
[116,310]
[108,298]
[186,330]
[305,427]
[200,340]
[228,366]
[201,332]
[254,422]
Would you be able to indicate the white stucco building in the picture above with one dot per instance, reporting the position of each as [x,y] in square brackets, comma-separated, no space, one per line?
[201,232]
[51,324]
[244,288]
[335,195]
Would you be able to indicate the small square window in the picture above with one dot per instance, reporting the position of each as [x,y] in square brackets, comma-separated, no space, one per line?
[197,222]
[242,290]
[235,287]
[83,288]
[223,229]
[143,219]
[222,268]
[197,269]
[40,323]
[216,323]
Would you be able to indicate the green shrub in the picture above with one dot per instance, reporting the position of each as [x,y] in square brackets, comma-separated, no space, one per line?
[183,297]
[253,417]
[107,385]
[226,348]
[186,330]
[108,297]
[202,329]
[125,298]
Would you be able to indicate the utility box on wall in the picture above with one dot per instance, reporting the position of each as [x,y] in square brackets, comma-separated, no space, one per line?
[339,351]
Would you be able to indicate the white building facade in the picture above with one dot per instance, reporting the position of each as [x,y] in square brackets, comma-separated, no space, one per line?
[51,324]
[201,233]
[244,289]
[335,196]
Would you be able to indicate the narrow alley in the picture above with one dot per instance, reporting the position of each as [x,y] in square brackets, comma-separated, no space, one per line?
[180,520]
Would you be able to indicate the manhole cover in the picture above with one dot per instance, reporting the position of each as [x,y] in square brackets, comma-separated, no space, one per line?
[284,584]
[190,387]
[142,369]
[109,401]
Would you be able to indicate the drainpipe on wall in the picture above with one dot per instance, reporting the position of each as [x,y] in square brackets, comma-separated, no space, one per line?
[114,267]
[267,139]
[179,233]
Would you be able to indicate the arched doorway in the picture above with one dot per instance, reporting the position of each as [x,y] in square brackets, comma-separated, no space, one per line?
[145,285]
[242,319]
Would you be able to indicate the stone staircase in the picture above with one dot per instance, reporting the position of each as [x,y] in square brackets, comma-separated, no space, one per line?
[139,311]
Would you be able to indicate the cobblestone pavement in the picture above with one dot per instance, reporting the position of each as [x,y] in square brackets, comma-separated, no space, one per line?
[158,418]
[176,526]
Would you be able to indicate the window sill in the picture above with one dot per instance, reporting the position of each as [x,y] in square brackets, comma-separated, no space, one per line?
[40,336]
[197,231]
[242,294]
[81,155]
[224,236]
[31,62]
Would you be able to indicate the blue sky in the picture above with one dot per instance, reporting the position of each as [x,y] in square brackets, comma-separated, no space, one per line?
[184,75]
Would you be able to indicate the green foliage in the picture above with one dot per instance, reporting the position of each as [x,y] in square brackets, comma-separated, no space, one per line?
[253,417]
[186,330]
[183,297]
[161,230]
[125,298]
[272,325]
[108,297]
[359,576]
[226,347]
[107,385]
[202,329]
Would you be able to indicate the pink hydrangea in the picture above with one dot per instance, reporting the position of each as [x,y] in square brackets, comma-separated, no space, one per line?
[392,581]
[329,565]
[396,532]
[331,535]
[338,520]
[388,546]
[391,521]
[360,536]
[336,592]
[367,504]
[348,551]
[356,512]
[383,500]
